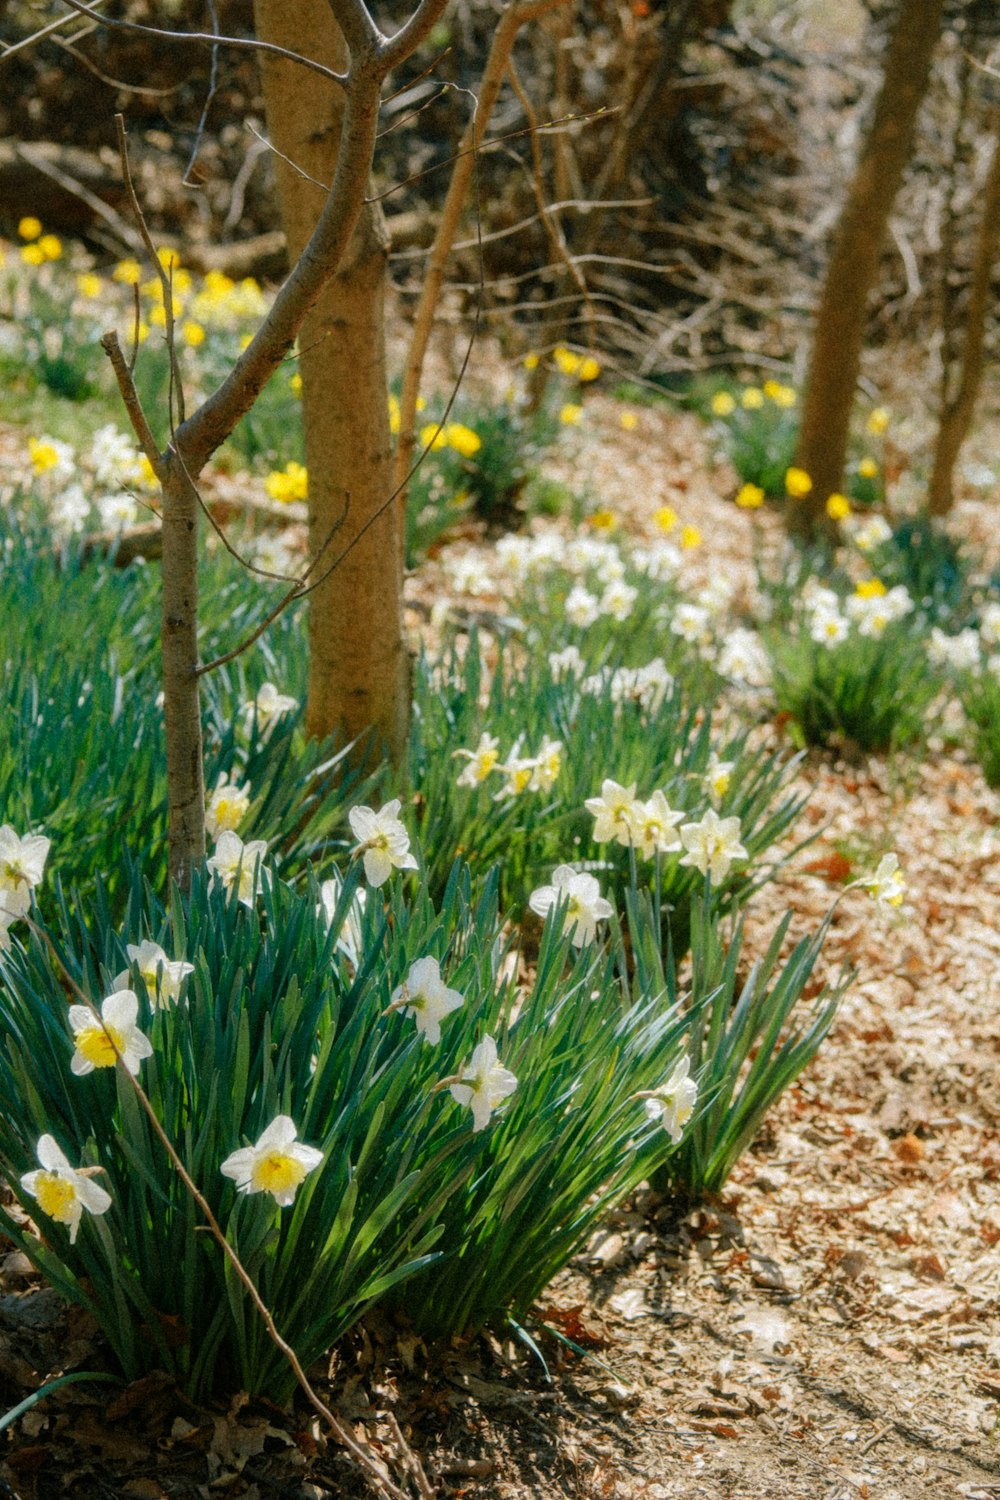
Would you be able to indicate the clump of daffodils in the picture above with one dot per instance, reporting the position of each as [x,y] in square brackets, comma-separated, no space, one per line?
[22,865]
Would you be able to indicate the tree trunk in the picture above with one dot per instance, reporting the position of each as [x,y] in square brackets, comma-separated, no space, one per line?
[358,674]
[835,359]
[957,409]
[181,699]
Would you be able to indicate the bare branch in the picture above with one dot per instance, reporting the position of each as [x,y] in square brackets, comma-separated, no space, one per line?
[550,219]
[202,119]
[408,38]
[44,31]
[130,396]
[248,44]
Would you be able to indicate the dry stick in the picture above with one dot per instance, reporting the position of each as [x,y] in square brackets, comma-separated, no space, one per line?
[553,227]
[344,1434]
[493,75]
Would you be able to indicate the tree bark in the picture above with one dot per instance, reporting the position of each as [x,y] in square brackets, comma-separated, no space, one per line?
[181,698]
[358,676]
[958,408]
[838,337]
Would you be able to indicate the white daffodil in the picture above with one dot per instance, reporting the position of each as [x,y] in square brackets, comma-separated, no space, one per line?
[235,861]
[382,840]
[581,896]
[424,996]
[278,1164]
[618,599]
[350,939]
[518,772]
[887,885]
[828,627]
[692,623]
[22,864]
[161,975]
[673,1104]
[99,1043]
[718,775]
[712,845]
[566,663]
[268,705]
[655,827]
[744,660]
[62,1192]
[581,607]
[226,808]
[547,765]
[482,761]
[484,1083]
[614,812]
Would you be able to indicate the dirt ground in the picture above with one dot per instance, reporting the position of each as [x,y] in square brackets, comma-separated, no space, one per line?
[828,1329]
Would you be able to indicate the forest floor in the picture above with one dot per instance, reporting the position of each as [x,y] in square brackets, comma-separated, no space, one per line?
[827,1329]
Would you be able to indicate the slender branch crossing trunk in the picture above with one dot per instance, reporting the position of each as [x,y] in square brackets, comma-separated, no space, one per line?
[835,359]
[958,408]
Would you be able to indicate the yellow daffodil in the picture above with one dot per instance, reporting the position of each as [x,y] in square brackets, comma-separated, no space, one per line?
[666,518]
[838,507]
[723,404]
[29,228]
[797,483]
[752,398]
[868,468]
[629,421]
[878,421]
[570,414]
[690,537]
[750,496]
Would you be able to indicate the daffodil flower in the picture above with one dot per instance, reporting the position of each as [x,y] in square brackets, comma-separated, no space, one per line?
[278,1164]
[161,975]
[350,938]
[22,863]
[100,1043]
[614,812]
[673,1103]
[234,861]
[712,845]
[227,807]
[268,705]
[424,996]
[655,827]
[382,840]
[585,906]
[483,1083]
[482,761]
[887,885]
[62,1192]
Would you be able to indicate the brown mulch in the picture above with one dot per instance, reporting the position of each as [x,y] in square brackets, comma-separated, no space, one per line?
[828,1329]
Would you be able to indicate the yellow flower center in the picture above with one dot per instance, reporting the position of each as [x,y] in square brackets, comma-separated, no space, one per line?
[277,1172]
[97,1044]
[484,765]
[56,1196]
